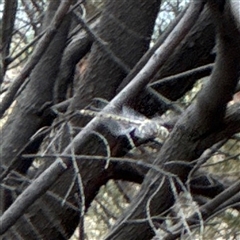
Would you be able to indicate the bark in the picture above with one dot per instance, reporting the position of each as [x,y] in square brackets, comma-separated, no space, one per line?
[27,114]
[38,53]
[6,33]
[80,45]
[185,57]
[102,71]
[130,32]
[119,27]
[198,122]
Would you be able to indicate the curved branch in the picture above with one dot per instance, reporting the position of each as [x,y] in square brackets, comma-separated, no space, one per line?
[199,121]
[209,209]
[50,175]
[212,101]
[229,127]
[38,53]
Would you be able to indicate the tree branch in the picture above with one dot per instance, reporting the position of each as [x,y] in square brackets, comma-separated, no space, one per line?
[36,56]
[192,129]
[50,175]
[6,33]
[209,209]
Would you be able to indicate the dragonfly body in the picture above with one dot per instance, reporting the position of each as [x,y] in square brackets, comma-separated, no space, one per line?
[150,128]
[130,121]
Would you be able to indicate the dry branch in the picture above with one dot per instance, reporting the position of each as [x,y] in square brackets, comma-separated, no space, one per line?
[36,56]
[50,175]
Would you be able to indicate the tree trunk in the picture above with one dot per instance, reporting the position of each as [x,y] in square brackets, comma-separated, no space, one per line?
[101,79]
[199,124]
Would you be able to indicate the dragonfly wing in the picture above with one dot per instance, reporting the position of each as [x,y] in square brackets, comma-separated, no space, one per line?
[132,114]
[117,128]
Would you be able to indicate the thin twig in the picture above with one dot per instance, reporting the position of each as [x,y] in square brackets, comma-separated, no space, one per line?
[37,54]
[43,182]
[102,45]
[208,209]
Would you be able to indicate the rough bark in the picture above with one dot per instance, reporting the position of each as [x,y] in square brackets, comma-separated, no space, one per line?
[198,122]
[27,115]
[47,218]
[185,57]
[102,72]
[6,33]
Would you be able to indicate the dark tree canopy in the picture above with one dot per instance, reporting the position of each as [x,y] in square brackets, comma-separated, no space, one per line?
[125,113]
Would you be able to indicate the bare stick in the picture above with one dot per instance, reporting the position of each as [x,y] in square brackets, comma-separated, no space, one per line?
[208,209]
[50,175]
[37,54]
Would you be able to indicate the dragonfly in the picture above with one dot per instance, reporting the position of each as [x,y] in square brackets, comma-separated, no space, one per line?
[130,122]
